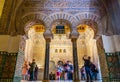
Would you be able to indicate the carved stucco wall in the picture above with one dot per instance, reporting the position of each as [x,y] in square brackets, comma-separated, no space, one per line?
[50,10]
[74,11]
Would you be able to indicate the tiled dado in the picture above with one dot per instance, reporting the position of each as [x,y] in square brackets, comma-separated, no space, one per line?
[7,65]
[113,62]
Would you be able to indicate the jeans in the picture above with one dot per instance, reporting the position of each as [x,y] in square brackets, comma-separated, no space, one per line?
[82,76]
[94,75]
[88,73]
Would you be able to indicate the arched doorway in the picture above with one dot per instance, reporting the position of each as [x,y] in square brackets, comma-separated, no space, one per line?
[61,45]
[86,46]
[35,45]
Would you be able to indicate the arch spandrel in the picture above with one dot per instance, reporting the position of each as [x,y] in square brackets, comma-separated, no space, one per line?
[31,19]
[36,23]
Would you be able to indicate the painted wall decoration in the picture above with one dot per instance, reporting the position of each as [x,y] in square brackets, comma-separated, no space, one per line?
[113,66]
[103,62]
[7,69]
[73,6]
[61,3]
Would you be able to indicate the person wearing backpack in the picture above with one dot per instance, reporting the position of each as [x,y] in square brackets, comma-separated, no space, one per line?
[87,63]
[94,71]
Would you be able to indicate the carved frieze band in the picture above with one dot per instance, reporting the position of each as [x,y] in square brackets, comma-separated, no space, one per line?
[48,20]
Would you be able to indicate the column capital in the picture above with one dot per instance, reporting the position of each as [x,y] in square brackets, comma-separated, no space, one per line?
[74,34]
[73,39]
[47,34]
[48,39]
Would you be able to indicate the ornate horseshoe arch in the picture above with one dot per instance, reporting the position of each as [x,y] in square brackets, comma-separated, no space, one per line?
[89,19]
[63,16]
[86,15]
[31,19]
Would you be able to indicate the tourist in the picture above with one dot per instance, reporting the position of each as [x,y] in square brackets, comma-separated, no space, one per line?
[51,76]
[65,71]
[87,63]
[36,72]
[94,71]
[70,71]
[24,70]
[58,72]
[32,70]
[82,71]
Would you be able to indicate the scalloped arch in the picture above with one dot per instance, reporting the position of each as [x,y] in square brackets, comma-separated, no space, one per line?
[90,19]
[86,15]
[64,16]
[48,20]
[31,17]
[35,16]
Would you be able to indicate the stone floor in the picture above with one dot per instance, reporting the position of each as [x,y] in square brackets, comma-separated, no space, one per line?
[58,81]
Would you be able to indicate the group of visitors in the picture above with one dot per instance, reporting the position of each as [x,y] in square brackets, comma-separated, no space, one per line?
[29,71]
[63,72]
[89,70]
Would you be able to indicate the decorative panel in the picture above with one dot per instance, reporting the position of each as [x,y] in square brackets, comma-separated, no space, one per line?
[102,58]
[7,66]
[113,66]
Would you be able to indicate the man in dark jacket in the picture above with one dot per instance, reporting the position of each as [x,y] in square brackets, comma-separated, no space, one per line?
[32,70]
[87,63]
[36,72]
[94,71]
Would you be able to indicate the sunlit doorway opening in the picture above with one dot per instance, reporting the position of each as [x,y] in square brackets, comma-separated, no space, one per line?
[60,49]
[35,47]
[86,46]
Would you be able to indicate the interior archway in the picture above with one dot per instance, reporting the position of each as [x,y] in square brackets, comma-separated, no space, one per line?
[86,45]
[61,46]
[35,45]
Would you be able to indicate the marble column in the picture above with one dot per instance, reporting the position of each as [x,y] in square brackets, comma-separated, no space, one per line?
[75,61]
[74,35]
[46,66]
[47,35]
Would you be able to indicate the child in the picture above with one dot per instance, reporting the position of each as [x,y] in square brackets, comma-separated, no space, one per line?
[82,70]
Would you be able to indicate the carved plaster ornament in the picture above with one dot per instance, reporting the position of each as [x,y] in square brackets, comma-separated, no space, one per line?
[74,34]
[48,34]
